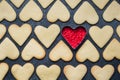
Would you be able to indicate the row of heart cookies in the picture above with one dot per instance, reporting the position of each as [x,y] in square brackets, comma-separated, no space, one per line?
[52,72]
[61,51]
[72,3]
[21,34]
[84,13]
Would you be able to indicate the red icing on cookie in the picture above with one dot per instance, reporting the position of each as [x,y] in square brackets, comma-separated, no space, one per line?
[74,36]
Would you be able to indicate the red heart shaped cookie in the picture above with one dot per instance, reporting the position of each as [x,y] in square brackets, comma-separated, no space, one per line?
[74,36]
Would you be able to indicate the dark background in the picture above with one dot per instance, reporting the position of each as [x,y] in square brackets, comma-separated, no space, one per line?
[46,61]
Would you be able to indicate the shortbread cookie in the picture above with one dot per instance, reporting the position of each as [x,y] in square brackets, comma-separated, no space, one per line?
[17,3]
[3,70]
[112,12]
[100,3]
[20,34]
[61,51]
[119,68]
[101,35]
[75,73]
[86,13]
[112,50]
[2,30]
[74,36]
[45,3]
[73,3]
[22,72]
[58,12]
[104,73]
[8,50]
[6,11]
[31,11]
[51,73]
[118,30]
[47,35]
[87,51]
[33,49]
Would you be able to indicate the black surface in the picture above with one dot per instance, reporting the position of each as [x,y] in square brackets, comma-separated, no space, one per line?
[46,61]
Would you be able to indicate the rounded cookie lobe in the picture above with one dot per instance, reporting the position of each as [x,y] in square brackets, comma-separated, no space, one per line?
[3,70]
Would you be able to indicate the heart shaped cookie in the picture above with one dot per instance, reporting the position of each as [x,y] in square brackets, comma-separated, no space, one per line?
[104,73]
[73,3]
[100,3]
[2,30]
[10,51]
[86,13]
[74,36]
[51,73]
[47,35]
[112,50]
[101,35]
[17,3]
[61,51]
[87,51]
[20,34]
[119,68]
[33,49]
[45,3]
[76,73]
[31,11]
[22,72]
[112,12]
[6,11]
[3,70]
[118,30]
[63,14]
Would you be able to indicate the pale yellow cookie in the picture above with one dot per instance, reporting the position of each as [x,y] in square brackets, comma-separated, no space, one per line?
[22,72]
[104,73]
[119,68]
[17,3]
[112,12]
[47,35]
[20,34]
[45,73]
[45,3]
[100,3]
[58,12]
[101,35]
[2,30]
[6,11]
[3,70]
[87,52]
[75,73]
[86,13]
[73,3]
[8,50]
[118,30]
[61,51]
[112,50]
[31,11]
[33,49]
